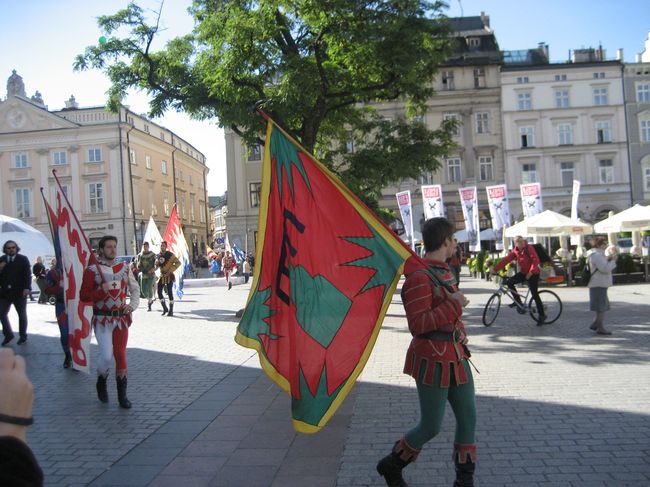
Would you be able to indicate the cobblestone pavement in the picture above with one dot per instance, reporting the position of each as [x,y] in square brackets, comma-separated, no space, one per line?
[557,405]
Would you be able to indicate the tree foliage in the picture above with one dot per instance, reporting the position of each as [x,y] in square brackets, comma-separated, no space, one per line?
[319,68]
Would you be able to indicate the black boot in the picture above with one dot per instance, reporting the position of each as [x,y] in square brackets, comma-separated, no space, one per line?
[68,360]
[390,467]
[171,309]
[121,393]
[102,392]
[149,305]
[464,471]
[165,309]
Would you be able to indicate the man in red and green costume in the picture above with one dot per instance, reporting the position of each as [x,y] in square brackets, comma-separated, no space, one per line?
[437,359]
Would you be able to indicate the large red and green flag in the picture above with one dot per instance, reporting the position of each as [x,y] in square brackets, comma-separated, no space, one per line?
[326,269]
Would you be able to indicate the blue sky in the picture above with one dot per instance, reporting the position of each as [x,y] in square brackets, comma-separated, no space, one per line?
[40,39]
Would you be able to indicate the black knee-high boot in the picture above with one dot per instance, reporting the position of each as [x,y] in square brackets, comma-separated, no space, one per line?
[102,392]
[121,393]
[164,305]
[465,463]
[171,309]
[390,467]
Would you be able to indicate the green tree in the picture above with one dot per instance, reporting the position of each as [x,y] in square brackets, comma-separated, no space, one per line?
[319,68]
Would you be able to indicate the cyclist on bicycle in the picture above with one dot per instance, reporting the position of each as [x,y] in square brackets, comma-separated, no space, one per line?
[528,263]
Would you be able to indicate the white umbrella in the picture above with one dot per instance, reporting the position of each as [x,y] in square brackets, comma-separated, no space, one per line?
[635,218]
[488,234]
[32,242]
[461,236]
[547,224]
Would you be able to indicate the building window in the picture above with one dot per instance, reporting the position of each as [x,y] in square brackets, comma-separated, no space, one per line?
[524,101]
[562,99]
[162,135]
[349,143]
[146,128]
[643,92]
[603,132]
[163,167]
[130,121]
[452,116]
[567,173]
[565,134]
[147,162]
[23,203]
[606,171]
[645,130]
[426,178]
[254,152]
[202,211]
[560,77]
[96,197]
[181,206]
[95,155]
[132,159]
[192,217]
[20,160]
[448,80]
[453,170]
[254,192]
[527,135]
[482,125]
[529,173]
[59,158]
[474,42]
[522,80]
[646,178]
[166,202]
[599,75]
[486,169]
[479,78]
[600,96]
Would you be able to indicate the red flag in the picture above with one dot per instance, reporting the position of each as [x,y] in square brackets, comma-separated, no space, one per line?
[211,253]
[325,271]
[76,255]
[177,245]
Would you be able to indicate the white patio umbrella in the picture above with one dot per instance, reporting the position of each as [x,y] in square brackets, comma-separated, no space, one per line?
[488,234]
[31,241]
[548,224]
[461,236]
[635,218]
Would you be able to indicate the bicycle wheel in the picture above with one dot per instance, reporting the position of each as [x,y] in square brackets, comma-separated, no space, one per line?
[491,310]
[552,306]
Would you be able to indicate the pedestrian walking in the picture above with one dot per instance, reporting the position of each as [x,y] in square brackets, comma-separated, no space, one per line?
[601,267]
[15,286]
[228,264]
[437,359]
[54,287]
[105,284]
[214,267]
[246,270]
[167,263]
[146,266]
[39,271]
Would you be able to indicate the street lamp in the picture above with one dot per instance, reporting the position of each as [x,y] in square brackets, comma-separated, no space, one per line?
[141,233]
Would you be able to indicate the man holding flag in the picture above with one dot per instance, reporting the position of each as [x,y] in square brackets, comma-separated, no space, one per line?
[105,284]
[167,263]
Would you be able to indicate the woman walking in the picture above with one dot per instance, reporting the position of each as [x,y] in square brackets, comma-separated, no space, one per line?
[601,267]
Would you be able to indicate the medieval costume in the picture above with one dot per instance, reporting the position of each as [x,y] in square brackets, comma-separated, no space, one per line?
[167,263]
[147,269]
[106,286]
[438,360]
[54,287]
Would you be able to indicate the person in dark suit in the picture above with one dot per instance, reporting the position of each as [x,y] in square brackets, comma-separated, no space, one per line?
[15,286]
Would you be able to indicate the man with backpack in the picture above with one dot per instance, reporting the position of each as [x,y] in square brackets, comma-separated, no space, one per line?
[528,263]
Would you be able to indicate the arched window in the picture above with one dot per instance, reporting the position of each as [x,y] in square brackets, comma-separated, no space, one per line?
[645,172]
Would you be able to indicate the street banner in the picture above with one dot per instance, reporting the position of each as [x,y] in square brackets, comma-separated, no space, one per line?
[499,211]
[469,201]
[531,199]
[210,253]
[75,256]
[432,201]
[326,268]
[177,245]
[406,212]
[152,235]
[575,239]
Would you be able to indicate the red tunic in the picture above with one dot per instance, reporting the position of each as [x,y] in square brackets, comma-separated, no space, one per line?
[429,308]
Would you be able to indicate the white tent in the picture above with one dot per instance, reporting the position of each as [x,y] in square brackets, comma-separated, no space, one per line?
[548,224]
[488,234]
[635,218]
[32,242]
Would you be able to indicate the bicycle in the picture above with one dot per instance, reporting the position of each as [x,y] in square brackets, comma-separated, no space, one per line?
[550,301]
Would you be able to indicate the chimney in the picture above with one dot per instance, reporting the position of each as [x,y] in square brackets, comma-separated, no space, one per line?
[543,47]
[485,19]
[71,104]
[638,58]
[619,55]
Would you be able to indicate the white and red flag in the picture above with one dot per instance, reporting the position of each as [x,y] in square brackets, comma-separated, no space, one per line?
[469,201]
[499,211]
[432,201]
[531,199]
[177,245]
[76,256]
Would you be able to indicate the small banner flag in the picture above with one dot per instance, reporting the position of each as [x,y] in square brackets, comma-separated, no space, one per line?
[326,269]
[499,211]
[531,199]
[177,245]
[152,236]
[575,239]
[469,200]
[432,201]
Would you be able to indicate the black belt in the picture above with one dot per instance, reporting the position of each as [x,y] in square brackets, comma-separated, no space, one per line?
[441,336]
[115,313]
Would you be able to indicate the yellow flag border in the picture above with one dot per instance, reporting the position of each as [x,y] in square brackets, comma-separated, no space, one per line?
[372,220]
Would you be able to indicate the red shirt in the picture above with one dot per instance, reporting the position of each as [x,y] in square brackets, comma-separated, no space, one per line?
[527,260]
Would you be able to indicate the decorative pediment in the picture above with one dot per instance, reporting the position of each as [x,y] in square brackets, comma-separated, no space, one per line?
[18,114]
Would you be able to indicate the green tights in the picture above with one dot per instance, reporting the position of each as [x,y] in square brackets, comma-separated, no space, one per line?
[432,409]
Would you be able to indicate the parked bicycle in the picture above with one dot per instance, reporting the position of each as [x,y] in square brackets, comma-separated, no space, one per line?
[550,301]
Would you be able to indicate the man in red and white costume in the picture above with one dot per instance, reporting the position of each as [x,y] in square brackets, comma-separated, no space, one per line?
[106,286]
